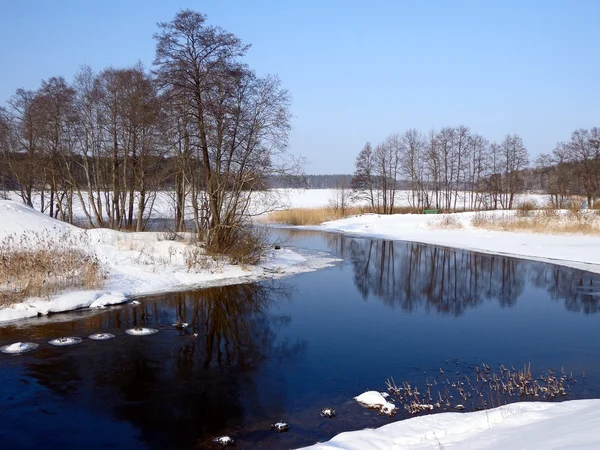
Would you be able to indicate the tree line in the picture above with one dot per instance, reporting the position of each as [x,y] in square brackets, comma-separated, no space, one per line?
[455,169]
[202,122]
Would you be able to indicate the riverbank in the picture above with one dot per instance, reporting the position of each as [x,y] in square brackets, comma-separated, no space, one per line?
[134,264]
[526,425]
[457,231]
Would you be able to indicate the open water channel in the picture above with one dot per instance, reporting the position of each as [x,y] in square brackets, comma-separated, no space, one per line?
[283,350]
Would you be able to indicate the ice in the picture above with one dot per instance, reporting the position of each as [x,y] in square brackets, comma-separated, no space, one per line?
[140,331]
[64,341]
[101,336]
[371,399]
[19,347]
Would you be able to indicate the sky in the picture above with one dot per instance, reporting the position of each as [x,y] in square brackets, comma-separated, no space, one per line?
[357,71]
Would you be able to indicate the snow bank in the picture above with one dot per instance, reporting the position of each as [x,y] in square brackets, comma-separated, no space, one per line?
[136,263]
[577,251]
[17,218]
[547,426]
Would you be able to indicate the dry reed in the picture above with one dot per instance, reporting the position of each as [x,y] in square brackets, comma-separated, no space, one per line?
[546,221]
[39,264]
[316,216]
[480,388]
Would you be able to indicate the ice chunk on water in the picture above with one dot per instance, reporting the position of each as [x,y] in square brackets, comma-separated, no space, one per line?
[19,347]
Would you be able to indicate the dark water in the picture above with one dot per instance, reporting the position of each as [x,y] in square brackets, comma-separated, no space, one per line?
[283,350]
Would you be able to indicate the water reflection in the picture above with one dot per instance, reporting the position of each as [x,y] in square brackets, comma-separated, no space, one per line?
[409,276]
[177,386]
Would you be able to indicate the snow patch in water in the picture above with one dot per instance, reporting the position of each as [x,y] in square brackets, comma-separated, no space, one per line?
[141,331]
[19,347]
[101,336]
[62,341]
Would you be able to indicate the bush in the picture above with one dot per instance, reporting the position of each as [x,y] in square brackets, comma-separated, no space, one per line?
[525,208]
[448,221]
[244,244]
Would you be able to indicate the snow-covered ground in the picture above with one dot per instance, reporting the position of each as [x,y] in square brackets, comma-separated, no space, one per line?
[136,263]
[527,425]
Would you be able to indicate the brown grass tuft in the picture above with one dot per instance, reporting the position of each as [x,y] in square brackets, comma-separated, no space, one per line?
[547,221]
[526,208]
[39,265]
[447,221]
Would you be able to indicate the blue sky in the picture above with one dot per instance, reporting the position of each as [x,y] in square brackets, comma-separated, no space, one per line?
[357,70]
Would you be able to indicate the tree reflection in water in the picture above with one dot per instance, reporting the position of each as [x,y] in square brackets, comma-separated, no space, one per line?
[174,385]
[449,281]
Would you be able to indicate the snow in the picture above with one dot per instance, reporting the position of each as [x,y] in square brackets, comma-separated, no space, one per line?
[316,198]
[531,425]
[140,331]
[64,341]
[136,263]
[577,251]
[376,400]
[371,399]
[101,336]
[18,347]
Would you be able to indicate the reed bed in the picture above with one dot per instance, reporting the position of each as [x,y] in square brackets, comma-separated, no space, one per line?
[39,264]
[316,216]
[547,221]
[481,388]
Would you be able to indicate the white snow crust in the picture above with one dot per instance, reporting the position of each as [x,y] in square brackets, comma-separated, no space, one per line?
[19,347]
[101,336]
[141,331]
[64,341]
[528,425]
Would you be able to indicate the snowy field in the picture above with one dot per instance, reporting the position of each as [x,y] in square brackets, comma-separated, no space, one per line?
[528,425]
[137,264]
[163,205]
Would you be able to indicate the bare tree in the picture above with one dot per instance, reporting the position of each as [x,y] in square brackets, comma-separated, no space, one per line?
[584,152]
[412,163]
[24,159]
[364,180]
[240,121]
[514,160]
[558,174]
[341,196]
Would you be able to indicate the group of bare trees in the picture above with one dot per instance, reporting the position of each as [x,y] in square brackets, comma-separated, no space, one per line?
[450,169]
[202,125]
[573,167]
[95,142]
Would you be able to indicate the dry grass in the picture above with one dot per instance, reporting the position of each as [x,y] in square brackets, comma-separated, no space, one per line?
[309,216]
[39,265]
[447,221]
[316,216]
[547,221]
